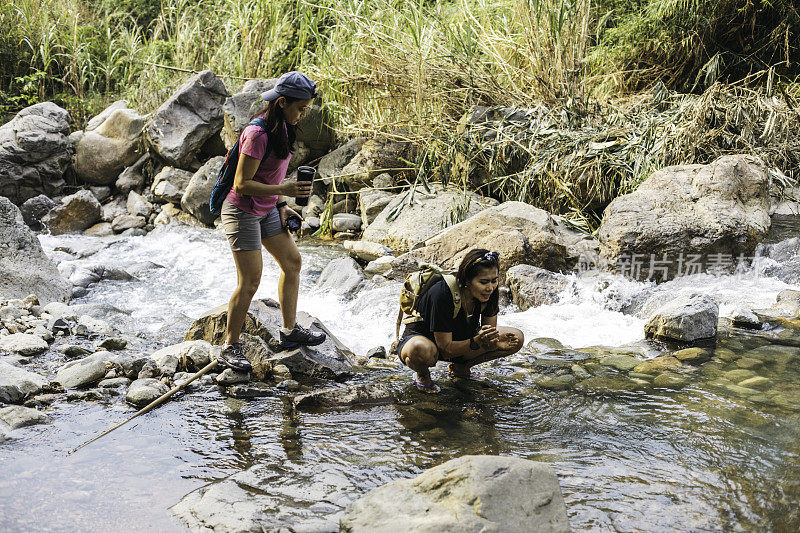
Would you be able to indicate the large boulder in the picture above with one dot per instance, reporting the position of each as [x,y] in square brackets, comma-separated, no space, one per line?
[239,108]
[283,496]
[380,155]
[470,493]
[532,286]
[371,202]
[687,318]
[24,267]
[191,355]
[315,130]
[76,213]
[132,178]
[365,250]
[331,359]
[34,209]
[170,184]
[520,233]
[109,145]
[414,217]
[332,164]
[189,118]
[17,384]
[198,191]
[34,152]
[342,276]
[702,211]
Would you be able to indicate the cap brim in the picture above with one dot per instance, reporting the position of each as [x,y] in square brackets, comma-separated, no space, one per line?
[270,95]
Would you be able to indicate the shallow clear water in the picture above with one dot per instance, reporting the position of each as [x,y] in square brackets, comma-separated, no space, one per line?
[695,459]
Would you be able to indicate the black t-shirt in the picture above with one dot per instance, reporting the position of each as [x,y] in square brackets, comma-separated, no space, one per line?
[436,309]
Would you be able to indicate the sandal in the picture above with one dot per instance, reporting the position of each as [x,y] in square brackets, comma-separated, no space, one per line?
[433,388]
[472,374]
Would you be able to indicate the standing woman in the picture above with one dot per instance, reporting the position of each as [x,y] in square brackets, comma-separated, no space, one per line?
[472,337]
[255,214]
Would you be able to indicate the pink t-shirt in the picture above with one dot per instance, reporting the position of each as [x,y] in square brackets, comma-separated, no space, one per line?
[271,171]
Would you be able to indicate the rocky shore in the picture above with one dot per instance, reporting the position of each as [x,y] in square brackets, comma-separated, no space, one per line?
[129,173]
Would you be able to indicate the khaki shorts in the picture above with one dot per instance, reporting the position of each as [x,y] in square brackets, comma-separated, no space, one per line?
[246,231]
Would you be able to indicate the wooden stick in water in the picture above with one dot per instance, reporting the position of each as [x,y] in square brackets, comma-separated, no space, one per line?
[155,403]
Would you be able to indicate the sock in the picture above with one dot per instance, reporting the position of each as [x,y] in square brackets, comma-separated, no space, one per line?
[286,331]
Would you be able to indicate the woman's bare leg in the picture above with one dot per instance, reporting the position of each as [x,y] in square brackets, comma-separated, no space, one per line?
[248,273]
[419,354]
[286,254]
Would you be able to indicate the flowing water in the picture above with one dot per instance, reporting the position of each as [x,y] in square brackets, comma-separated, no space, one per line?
[695,459]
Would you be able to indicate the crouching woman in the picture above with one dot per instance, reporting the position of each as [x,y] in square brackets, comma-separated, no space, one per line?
[472,336]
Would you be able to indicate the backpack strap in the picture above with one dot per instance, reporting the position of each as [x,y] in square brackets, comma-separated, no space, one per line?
[452,284]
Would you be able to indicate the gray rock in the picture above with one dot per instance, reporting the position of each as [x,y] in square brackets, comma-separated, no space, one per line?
[470,493]
[377,156]
[17,384]
[24,267]
[137,205]
[315,130]
[133,176]
[113,209]
[126,222]
[687,319]
[113,144]
[113,383]
[341,276]
[721,208]
[34,152]
[346,222]
[143,391]
[532,286]
[380,266]
[365,250]
[34,209]
[193,355]
[170,184]
[521,233]
[76,213]
[250,390]
[285,496]
[745,318]
[230,376]
[101,192]
[371,202]
[24,344]
[383,181]
[18,416]
[239,108]
[101,229]
[333,163]
[352,395]
[331,359]
[425,217]
[289,385]
[191,116]
[195,199]
[81,373]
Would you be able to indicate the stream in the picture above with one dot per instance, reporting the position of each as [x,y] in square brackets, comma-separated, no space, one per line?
[695,459]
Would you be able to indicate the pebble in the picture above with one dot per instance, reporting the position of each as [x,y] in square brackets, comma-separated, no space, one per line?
[289,385]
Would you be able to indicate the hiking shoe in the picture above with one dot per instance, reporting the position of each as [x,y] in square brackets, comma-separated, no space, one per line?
[233,357]
[300,336]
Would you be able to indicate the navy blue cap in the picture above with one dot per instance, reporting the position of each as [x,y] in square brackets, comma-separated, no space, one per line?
[293,84]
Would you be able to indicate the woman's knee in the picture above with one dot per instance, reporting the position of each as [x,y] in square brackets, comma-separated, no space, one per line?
[519,339]
[248,288]
[421,353]
[292,264]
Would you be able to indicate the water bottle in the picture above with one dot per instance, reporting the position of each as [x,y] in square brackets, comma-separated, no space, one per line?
[304,174]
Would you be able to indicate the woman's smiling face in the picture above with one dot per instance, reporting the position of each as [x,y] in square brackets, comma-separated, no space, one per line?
[484,283]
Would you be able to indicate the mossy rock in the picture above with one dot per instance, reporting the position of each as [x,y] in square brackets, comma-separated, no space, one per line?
[738,374]
[665,363]
[748,363]
[558,382]
[623,363]
[725,354]
[742,391]
[756,382]
[670,380]
[691,354]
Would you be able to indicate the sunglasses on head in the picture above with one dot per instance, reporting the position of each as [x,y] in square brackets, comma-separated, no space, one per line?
[489,257]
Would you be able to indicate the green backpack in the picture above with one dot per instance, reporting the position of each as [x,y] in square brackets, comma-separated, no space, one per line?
[417,284]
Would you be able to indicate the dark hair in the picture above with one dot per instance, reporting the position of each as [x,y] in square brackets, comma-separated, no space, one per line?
[280,140]
[472,264]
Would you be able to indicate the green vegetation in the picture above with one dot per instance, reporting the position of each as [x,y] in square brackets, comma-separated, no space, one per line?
[413,69]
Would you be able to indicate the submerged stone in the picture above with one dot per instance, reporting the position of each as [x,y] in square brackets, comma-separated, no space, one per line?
[739,374]
[691,354]
[558,382]
[361,394]
[659,364]
[744,391]
[623,363]
[670,380]
[748,363]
